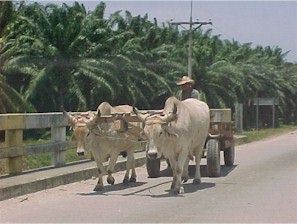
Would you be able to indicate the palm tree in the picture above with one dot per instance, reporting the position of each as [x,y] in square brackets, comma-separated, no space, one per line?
[136,62]
[288,87]
[10,99]
[6,14]
[52,52]
[73,58]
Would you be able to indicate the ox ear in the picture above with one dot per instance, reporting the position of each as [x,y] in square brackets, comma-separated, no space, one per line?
[170,132]
[71,119]
[142,117]
[93,121]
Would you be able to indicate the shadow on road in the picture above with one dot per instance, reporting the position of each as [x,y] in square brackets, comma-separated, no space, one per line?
[189,187]
[111,188]
[225,170]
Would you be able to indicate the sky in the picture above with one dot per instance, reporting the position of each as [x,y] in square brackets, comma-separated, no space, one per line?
[266,23]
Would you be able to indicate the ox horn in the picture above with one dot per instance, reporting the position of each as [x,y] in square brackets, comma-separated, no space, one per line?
[171,116]
[141,116]
[71,119]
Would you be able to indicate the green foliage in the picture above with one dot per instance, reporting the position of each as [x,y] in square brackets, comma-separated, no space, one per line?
[38,160]
[11,100]
[6,14]
[45,159]
[63,55]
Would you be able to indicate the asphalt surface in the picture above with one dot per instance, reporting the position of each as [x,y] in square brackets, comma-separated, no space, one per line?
[260,187]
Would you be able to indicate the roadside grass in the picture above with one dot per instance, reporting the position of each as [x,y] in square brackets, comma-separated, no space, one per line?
[257,135]
[46,159]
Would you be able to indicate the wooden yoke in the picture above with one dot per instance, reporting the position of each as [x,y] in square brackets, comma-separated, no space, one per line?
[125,116]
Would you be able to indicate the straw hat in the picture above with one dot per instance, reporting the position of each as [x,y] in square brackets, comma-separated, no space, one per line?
[184,80]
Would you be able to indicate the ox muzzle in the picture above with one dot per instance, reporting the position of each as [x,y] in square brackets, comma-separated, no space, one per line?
[80,153]
[152,151]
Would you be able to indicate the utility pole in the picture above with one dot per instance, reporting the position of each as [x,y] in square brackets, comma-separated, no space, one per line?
[191,25]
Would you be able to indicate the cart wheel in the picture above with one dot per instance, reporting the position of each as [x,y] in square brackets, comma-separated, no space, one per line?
[229,155]
[153,167]
[213,158]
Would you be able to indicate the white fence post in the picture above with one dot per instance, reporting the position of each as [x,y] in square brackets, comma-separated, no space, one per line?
[58,134]
[14,138]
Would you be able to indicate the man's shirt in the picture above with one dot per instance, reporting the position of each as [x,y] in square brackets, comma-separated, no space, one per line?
[182,95]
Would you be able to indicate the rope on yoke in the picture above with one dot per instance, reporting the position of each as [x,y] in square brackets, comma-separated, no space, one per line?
[100,133]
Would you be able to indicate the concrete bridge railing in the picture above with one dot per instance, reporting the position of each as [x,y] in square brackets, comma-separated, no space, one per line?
[14,148]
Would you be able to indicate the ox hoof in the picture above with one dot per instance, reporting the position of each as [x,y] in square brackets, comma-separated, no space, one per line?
[126,181]
[98,188]
[196,181]
[175,191]
[132,179]
[110,180]
[179,191]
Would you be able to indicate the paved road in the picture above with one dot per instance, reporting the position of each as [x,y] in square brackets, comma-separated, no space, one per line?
[261,187]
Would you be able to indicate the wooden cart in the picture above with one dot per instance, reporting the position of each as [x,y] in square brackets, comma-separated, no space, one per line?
[220,139]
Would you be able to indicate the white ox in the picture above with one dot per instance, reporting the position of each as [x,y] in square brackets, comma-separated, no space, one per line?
[179,133]
[105,141]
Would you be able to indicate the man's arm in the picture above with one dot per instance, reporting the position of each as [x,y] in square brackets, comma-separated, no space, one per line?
[195,94]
